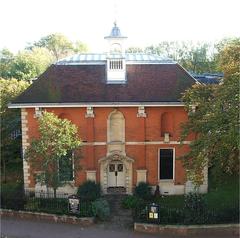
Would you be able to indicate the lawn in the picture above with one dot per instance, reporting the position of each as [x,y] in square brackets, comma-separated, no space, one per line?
[220,194]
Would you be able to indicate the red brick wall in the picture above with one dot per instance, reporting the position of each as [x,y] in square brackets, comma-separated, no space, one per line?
[137,129]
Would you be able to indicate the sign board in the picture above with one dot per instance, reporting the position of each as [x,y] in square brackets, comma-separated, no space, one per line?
[153,212]
[73,204]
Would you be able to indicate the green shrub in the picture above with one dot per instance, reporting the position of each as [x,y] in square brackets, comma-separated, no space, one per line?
[89,191]
[32,205]
[101,209]
[144,191]
[131,202]
[12,196]
[194,207]
[194,202]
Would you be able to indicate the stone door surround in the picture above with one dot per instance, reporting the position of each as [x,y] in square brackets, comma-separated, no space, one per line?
[116,156]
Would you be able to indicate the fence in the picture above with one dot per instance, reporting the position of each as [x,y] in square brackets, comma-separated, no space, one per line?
[183,216]
[42,202]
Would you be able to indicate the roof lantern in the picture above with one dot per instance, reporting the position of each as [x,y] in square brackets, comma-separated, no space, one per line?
[116,62]
[115,32]
[116,42]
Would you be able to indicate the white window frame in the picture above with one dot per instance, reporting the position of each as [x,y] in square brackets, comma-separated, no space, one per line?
[174,151]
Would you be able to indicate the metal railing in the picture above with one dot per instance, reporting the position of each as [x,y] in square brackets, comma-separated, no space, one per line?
[182,216]
[43,202]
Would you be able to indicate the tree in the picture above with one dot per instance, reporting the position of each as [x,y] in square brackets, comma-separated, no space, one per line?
[197,58]
[33,61]
[59,45]
[6,60]
[135,50]
[29,64]
[26,65]
[228,58]
[10,122]
[216,120]
[57,140]
[79,47]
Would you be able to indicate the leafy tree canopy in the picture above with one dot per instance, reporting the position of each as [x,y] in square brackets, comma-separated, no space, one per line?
[216,120]
[229,55]
[59,45]
[9,89]
[56,138]
[10,122]
[6,60]
[30,64]
[33,61]
[26,65]
[197,58]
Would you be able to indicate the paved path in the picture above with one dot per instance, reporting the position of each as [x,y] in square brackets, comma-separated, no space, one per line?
[19,228]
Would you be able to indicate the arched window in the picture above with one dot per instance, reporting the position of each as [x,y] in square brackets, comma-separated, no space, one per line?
[166,123]
[116,127]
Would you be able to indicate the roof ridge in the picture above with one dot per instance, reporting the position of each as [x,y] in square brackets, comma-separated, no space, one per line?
[102,57]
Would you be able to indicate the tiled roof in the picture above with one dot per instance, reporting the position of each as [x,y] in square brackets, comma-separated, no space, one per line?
[87,84]
[208,78]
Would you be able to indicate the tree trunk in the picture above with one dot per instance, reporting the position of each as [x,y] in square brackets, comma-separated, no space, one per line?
[4,171]
[55,192]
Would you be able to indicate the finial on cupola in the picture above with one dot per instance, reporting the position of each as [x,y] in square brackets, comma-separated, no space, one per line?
[116,40]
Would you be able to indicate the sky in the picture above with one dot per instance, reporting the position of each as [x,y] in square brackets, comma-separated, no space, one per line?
[145,22]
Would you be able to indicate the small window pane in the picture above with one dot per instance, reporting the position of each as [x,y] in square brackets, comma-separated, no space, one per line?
[112,168]
[66,168]
[120,167]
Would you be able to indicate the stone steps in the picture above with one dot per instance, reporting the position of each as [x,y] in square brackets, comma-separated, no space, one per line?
[120,217]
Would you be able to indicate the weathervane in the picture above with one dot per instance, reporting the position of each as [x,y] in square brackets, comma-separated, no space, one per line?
[115,12]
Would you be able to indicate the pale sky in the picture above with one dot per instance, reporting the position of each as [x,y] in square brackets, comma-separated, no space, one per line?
[145,22]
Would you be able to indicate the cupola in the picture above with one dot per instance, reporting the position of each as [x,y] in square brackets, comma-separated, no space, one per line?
[116,63]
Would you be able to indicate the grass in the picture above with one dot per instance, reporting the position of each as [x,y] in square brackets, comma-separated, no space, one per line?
[220,194]
[224,193]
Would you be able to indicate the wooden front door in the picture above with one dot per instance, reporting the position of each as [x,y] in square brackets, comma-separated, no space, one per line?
[116,175]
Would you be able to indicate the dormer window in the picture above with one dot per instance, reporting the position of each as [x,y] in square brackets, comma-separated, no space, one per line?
[115,64]
[116,71]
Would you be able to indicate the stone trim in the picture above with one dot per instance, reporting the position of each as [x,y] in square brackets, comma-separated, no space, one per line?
[68,188]
[89,112]
[137,143]
[169,188]
[183,230]
[97,104]
[38,112]
[84,221]
[127,162]
[141,112]
[141,175]
[112,145]
[25,144]
[91,175]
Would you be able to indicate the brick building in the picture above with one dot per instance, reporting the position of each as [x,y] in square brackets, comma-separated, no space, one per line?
[128,110]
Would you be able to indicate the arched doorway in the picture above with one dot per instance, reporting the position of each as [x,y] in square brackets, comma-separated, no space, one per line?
[116,173]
